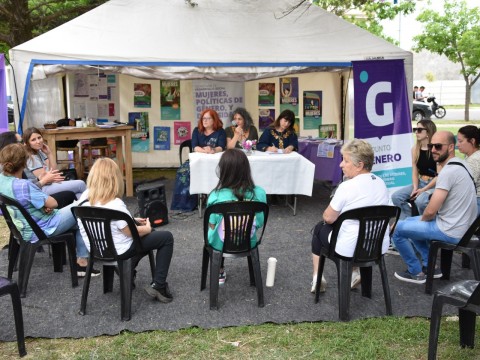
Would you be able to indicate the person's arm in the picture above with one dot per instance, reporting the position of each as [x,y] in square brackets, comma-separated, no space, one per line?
[414,171]
[196,141]
[264,143]
[330,215]
[143,229]
[293,144]
[52,165]
[221,141]
[435,203]
[233,136]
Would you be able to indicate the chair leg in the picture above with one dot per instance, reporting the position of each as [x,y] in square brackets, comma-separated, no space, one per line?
[250,271]
[17,313]
[467,327]
[321,265]
[151,258]
[214,272]
[108,276]
[205,260]
[344,270]
[432,259]
[435,319]
[72,256]
[13,252]
[386,287]
[125,270]
[446,263]
[27,254]
[255,259]
[465,261]
[366,275]
[86,286]
[474,262]
[58,254]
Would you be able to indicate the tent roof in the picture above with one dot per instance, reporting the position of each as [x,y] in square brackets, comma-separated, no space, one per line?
[215,33]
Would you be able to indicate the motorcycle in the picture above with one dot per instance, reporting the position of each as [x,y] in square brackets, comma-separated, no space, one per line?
[437,110]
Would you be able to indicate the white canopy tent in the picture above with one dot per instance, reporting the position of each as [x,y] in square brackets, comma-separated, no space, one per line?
[234,40]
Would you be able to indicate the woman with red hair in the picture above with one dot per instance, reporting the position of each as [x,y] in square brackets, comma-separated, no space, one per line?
[209,136]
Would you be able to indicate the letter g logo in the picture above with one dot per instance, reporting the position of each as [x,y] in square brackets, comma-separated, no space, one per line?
[373,117]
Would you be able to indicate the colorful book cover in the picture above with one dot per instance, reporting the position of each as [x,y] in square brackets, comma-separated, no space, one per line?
[265,118]
[312,109]
[170,99]
[266,94]
[181,131]
[289,94]
[141,131]
[161,138]
[327,131]
[142,95]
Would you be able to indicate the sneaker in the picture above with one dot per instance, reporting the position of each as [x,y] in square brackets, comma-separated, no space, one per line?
[356,279]
[407,277]
[437,273]
[82,271]
[222,277]
[161,293]
[323,284]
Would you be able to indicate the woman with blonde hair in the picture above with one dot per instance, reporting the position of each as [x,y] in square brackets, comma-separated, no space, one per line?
[424,171]
[105,189]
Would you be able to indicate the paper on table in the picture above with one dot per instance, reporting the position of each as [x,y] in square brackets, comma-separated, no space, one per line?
[279,151]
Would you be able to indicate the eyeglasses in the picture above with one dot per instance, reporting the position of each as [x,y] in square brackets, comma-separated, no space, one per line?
[418,130]
[437,147]
[207,118]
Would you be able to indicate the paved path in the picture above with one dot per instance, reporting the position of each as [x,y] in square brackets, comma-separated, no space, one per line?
[459,114]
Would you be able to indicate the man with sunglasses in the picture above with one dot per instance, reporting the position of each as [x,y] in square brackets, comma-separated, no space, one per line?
[450,212]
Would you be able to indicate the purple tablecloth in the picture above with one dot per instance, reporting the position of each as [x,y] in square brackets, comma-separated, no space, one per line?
[327,169]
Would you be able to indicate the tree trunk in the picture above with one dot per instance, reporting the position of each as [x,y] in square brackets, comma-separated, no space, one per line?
[468,91]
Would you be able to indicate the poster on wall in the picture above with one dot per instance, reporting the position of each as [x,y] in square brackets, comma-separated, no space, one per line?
[289,94]
[266,117]
[142,95]
[181,131]
[222,96]
[140,132]
[296,126]
[266,94]
[382,117]
[161,138]
[312,109]
[170,99]
[327,131]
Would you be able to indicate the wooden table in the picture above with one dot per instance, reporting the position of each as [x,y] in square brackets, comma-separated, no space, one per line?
[122,135]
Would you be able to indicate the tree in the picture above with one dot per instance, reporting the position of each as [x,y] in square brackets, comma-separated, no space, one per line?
[366,14]
[22,20]
[455,34]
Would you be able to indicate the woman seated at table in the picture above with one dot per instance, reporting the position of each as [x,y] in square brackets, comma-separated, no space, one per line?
[63,198]
[361,189]
[235,184]
[242,129]
[40,162]
[39,205]
[105,189]
[280,135]
[209,136]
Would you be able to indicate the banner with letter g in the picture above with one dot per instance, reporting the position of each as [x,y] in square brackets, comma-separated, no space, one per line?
[382,117]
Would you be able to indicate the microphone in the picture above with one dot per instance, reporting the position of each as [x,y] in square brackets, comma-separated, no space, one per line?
[234,123]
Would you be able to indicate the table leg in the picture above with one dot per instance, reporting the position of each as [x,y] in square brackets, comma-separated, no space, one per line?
[128,162]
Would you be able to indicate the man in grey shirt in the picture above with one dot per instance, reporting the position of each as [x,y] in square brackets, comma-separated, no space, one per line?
[450,212]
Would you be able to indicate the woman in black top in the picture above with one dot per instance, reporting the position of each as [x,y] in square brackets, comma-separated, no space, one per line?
[424,172]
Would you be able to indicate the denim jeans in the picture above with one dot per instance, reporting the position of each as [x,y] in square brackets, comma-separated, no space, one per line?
[414,235]
[68,222]
[401,196]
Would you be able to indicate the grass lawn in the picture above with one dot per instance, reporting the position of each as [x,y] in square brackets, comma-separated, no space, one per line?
[378,338]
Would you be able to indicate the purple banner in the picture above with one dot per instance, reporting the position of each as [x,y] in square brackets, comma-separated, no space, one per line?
[3,96]
[381,99]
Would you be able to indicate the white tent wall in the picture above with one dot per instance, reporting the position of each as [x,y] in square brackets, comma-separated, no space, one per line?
[231,40]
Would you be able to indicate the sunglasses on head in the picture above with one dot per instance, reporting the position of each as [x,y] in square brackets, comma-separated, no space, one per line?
[437,147]
[418,130]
